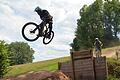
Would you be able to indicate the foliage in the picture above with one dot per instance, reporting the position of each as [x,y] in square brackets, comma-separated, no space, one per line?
[117,72]
[100,19]
[20,53]
[75,45]
[110,77]
[4,61]
[113,68]
[111,18]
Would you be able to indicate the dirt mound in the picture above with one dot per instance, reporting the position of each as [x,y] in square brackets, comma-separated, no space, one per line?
[41,75]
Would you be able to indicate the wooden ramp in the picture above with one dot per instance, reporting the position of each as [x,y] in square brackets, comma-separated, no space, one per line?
[83,66]
[101,71]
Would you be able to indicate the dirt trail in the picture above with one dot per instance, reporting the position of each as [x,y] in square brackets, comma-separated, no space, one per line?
[109,53]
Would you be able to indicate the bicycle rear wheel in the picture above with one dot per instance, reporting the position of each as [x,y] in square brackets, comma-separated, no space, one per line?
[30,31]
[47,40]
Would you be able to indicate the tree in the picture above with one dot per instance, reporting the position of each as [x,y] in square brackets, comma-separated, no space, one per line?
[4,61]
[90,24]
[101,19]
[111,18]
[75,45]
[20,53]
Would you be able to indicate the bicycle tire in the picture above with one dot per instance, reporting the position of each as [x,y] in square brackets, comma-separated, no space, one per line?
[23,33]
[45,37]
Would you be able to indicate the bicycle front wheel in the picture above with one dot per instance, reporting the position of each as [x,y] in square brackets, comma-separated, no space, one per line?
[30,31]
[47,40]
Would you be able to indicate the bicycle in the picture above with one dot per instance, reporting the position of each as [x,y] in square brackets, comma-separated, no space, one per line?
[33,32]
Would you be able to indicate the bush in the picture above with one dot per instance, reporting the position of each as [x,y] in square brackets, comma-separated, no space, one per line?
[117,72]
[113,69]
[20,53]
[111,65]
[4,62]
[110,77]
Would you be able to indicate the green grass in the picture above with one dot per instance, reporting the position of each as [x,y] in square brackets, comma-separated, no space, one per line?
[49,65]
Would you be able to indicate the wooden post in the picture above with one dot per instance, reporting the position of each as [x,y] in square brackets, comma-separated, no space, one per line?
[94,68]
[106,67]
[59,64]
[73,66]
[100,68]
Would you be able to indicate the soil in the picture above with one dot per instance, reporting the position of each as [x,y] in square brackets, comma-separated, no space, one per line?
[41,75]
[109,53]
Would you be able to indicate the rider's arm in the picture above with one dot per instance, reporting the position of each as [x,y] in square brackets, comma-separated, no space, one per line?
[94,43]
[101,43]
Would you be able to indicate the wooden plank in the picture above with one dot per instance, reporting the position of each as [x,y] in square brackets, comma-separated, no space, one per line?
[82,54]
[59,65]
[84,76]
[100,68]
[84,69]
[66,66]
[73,66]
[82,66]
[84,61]
[77,66]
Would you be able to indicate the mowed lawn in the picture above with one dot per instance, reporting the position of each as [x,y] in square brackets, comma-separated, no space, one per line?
[49,65]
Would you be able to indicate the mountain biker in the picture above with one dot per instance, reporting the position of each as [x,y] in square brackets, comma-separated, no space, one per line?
[98,44]
[46,19]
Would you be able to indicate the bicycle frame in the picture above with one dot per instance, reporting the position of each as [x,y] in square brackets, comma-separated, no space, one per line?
[45,31]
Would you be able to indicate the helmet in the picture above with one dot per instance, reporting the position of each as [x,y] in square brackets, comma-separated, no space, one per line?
[37,9]
[96,39]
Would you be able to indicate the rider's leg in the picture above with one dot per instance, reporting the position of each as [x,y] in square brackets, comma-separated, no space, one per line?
[50,26]
[42,24]
[100,54]
[97,52]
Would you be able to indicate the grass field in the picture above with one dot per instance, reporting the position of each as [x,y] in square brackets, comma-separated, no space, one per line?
[50,65]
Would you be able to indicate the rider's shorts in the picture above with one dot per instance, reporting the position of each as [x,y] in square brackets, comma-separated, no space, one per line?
[97,49]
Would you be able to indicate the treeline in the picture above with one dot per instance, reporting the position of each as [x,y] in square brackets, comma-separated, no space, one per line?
[100,20]
[13,54]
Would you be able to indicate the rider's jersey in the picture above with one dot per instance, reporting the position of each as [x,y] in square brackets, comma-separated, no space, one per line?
[98,44]
[44,14]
